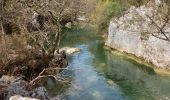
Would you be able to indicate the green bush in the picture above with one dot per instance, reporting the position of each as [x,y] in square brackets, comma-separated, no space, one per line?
[114,8]
[105,10]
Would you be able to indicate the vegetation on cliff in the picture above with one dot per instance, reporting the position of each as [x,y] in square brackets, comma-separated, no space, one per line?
[105,10]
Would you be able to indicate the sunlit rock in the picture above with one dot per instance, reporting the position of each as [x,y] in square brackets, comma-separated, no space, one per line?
[68,25]
[131,33]
[18,97]
[69,50]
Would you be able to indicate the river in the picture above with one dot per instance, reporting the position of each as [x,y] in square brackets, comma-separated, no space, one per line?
[98,74]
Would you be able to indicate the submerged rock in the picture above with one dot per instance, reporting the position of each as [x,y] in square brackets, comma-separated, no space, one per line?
[97,95]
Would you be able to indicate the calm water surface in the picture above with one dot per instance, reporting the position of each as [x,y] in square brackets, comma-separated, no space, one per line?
[98,74]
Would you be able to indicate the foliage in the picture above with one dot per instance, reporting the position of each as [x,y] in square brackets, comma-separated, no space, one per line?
[107,9]
[35,28]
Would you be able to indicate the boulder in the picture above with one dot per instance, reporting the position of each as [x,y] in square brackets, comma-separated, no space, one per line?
[18,97]
[40,93]
[69,50]
[3,90]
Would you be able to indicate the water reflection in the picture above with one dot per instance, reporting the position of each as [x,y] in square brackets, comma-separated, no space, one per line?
[91,85]
[99,75]
[135,80]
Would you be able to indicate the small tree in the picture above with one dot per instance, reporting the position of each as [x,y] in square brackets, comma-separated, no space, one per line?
[160,21]
[156,22]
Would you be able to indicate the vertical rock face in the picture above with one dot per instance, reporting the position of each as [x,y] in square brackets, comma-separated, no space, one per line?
[126,34]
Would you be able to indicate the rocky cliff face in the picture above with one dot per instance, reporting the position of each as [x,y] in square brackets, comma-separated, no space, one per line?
[130,33]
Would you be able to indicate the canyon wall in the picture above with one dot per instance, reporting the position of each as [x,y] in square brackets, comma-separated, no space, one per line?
[130,33]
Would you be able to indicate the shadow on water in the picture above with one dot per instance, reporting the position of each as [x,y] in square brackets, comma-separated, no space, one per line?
[100,75]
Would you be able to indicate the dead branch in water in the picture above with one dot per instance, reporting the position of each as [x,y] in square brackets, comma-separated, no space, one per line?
[40,76]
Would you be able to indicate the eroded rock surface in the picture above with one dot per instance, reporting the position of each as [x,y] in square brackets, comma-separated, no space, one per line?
[17,90]
[129,34]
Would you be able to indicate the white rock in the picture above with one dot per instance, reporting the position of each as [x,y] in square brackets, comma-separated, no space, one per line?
[69,50]
[129,40]
[68,25]
[18,97]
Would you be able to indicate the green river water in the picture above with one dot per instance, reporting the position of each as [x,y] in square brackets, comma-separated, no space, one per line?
[98,74]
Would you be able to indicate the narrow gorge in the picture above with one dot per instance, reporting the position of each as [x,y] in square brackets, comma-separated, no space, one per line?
[85,50]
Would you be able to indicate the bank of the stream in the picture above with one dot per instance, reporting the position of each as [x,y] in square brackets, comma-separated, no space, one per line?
[97,74]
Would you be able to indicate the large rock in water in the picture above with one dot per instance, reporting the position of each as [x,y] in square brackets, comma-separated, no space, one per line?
[69,50]
[126,34]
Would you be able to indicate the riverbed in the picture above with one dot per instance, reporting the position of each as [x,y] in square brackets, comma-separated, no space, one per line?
[98,74]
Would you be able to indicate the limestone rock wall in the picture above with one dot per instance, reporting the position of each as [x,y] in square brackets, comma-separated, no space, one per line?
[125,34]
